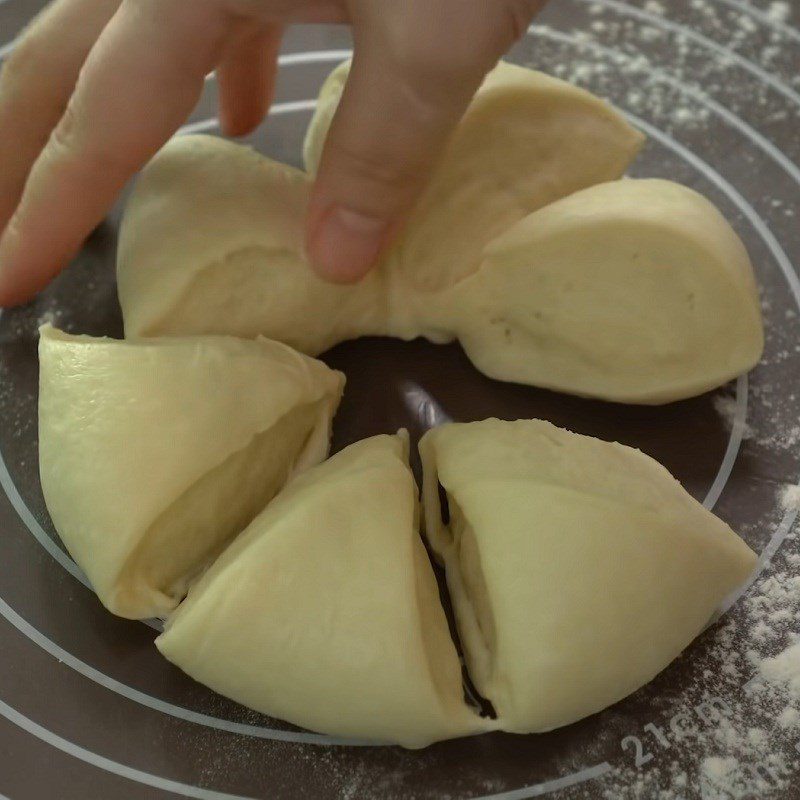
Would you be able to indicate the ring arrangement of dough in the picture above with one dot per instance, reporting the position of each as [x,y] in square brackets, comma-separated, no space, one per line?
[527,247]
[186,474]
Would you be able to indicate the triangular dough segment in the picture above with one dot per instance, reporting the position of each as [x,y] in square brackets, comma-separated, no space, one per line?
[155,453]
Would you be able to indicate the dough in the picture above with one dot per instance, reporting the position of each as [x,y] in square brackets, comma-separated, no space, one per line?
[630,291]
[325,611]
[155,454]
[636,291]
[212,242]
[526,140]
[578,568]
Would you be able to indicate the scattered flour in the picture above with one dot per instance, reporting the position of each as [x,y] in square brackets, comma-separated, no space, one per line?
[786,439]
[790,497]
[779,11]
[784,670]
[789,717]
[731,734]
[49,317]
[725,406]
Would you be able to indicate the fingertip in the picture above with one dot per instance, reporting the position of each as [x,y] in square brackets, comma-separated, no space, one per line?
[9,292]
[18,285]
[12,293]
[343,244]
[235,127]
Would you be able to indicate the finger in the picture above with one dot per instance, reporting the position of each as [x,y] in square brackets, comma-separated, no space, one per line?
[246,78]
[408,86]
[36,81]
[140,82]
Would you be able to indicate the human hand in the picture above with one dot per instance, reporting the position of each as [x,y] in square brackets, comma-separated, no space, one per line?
[95,87]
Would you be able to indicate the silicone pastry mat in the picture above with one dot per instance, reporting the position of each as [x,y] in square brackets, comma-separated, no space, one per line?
[88,709]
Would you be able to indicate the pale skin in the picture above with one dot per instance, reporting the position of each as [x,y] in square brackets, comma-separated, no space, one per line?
[95,87]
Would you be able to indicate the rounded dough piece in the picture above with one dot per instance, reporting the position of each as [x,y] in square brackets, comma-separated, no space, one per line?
[578,568]
[326,612]
[212,243]
[635,291]
[153,455]
[526,140]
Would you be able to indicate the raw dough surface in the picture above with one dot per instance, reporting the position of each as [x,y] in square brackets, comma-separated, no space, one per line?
[526,140]
[524,246]
[155,454]
[634,290]
[578,568]
[326,612]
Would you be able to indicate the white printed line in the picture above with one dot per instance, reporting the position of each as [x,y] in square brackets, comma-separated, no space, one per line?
[154,703]
[703,41]
[278,108]
[106,764]
[765,19]
[535,790]
[32,524]
[198,127]
[555,785]
[314,57]
[6,49]
[186,790]
[776,540]
[660,75]
[311,57]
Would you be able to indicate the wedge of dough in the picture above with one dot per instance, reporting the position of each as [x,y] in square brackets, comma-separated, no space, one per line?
[212,243]
[154,455]
[636,291]
[526,140]
[326,612]
[578,568]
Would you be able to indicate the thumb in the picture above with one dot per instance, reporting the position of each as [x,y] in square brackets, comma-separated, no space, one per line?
[404,95]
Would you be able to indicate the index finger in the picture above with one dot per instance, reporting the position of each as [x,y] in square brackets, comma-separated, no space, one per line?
[139,83]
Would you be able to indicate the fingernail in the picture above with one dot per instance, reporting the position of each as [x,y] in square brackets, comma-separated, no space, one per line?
[344,244]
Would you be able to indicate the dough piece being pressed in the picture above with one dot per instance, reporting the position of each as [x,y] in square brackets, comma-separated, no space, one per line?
[212,242]
[212,238]
[629,291]
[155,454]
[325,612]
[636,291]
[578,568]
[526,140]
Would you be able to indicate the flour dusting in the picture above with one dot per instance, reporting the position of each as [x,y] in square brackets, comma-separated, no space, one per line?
[790,498]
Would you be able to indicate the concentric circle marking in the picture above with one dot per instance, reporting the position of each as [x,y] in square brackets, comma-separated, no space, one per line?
[765,19]
[681,30]
[156,704]
[187,790]
[106,764]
